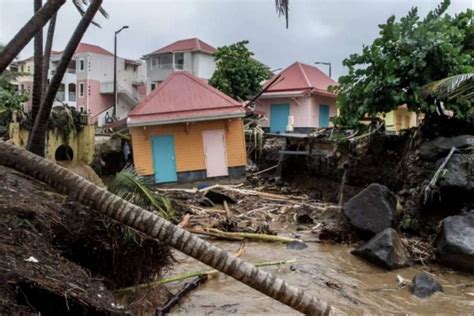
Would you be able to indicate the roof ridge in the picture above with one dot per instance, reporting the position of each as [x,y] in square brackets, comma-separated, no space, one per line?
[304,74]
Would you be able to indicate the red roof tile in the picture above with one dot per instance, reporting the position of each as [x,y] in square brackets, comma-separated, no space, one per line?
[300,76]
[191,44]
[183,96]
[89,48]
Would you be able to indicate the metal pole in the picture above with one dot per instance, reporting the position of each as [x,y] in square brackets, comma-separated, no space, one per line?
[327,64]
[114,114]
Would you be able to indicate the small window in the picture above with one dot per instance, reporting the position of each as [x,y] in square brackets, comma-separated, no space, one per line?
[22,87]
[81,90]
[22,68]
[81,109]
[81,64]
[153,86]
[28,69]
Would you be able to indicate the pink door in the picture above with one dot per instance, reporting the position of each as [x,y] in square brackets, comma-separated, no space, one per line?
[215,153]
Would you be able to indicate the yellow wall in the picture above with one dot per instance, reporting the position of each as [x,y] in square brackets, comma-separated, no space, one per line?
[81,144]
[188,145]
[400,119]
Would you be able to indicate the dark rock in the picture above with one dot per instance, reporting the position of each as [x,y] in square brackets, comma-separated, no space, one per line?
[424,285]
[296,245]
[218,197]
[459,176]
[206,202]
[385,250]
[455,242]
[304,217]
[440,147]
[372,210]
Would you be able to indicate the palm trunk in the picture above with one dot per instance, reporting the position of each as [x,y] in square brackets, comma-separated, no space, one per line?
[37,138]
[47,51]
[24,36]
[154,226]
[38,67]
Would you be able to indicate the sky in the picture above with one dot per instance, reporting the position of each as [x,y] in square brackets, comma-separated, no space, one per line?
[319,30]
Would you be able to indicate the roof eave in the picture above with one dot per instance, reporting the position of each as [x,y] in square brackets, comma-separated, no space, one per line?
[185,120]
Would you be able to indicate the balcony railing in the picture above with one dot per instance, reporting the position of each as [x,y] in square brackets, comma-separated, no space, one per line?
[168,66]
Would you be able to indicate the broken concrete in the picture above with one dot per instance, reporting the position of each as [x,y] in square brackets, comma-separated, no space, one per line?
[440,147]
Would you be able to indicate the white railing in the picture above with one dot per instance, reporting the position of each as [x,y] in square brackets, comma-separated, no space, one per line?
[168,66]
[108,87]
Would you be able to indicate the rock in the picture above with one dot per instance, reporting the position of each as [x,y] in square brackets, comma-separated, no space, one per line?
[296,245]
[440,147]
[424,285]
[459,175]
[219,198]
[372,210]
[385,250]
[455,242]
[206,202]
[303,217]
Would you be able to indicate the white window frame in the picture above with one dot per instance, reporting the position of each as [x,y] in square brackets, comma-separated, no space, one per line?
[81,89]
[82,64]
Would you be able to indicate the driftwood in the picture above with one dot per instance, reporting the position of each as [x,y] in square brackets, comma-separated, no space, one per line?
[427,192]
[186,289]
[241,235]
[265,170]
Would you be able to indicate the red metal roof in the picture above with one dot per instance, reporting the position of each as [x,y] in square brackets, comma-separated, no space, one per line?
[89,48]
[299,76]
[183,96]
[190,44]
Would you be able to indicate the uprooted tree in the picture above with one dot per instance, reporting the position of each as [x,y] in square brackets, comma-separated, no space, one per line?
[238,74]
[408,55]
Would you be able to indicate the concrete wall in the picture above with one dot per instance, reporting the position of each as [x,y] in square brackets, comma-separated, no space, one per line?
[315,101]
[399,119]
[188,144]
[204,65]
[82,143]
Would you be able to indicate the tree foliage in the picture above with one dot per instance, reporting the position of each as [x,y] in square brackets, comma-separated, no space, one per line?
[407,55]
[238,74]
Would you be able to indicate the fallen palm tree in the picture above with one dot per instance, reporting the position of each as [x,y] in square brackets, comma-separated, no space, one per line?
[154,226]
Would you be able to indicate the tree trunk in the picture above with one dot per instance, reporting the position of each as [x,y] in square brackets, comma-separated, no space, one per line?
[24,36]
[37,138]
[47,52]
[38,67]
[154,226]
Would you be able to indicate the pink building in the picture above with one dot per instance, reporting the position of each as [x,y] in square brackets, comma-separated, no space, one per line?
[88,82]
[298,101]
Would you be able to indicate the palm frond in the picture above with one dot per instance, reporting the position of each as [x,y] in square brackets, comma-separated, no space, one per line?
[81,6]
[459,87]
[282,8]
[136,189]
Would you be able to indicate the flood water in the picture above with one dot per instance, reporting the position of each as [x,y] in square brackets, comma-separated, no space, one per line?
[328,272]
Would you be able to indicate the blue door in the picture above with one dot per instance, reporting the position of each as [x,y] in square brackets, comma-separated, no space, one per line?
[164,162]
[323,115]
[279,117]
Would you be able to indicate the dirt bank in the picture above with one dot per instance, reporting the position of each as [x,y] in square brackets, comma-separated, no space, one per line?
[58,257]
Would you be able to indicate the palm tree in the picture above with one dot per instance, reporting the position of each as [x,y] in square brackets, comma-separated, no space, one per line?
[47,52]
[154,226]
[30,29]
[458,87]
[282,7]
[38,64]
[37,137]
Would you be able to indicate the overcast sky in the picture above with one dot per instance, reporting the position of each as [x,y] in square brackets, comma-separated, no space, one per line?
[319,30]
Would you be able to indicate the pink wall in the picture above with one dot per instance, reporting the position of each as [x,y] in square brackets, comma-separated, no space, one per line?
[141,89]
[315,101]
[93,101]
[305,110]
[299,109]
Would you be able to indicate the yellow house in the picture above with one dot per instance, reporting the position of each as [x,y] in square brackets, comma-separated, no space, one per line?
[400,119]
[186,130]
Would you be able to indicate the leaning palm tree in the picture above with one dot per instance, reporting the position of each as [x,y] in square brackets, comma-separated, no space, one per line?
[38,63]
[37,137]
[28,31]
[154,226]
[48,46]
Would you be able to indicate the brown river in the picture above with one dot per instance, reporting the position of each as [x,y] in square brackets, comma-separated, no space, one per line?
[328,272]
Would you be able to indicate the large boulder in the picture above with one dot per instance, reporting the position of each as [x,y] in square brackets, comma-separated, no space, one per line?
[455,242]
[423,285]
[372,210]
[457,184]
[385,250]
[440,147]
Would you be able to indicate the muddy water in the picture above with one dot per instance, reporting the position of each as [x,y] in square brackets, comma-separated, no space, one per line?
[329,272]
